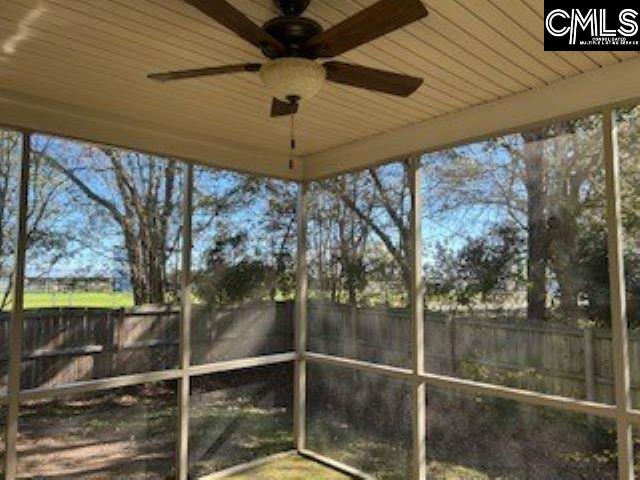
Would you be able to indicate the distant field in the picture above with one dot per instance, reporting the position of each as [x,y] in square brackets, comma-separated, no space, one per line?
[78,299]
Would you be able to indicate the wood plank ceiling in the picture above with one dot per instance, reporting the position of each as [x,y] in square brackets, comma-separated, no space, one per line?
[96,53]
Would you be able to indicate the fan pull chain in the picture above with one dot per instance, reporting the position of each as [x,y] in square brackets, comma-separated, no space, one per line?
[293,142]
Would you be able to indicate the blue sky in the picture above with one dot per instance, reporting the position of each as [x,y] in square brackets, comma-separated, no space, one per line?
[98,243]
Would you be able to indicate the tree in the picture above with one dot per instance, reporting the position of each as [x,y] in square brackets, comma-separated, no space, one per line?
[547,182]
[137,193]
[9,173]
[230,275]
[628,127]
[47,237]
[351,216]
[485,265]
[279,222]
[248,244]
[537,252]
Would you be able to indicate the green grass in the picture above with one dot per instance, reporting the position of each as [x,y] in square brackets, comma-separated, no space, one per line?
[78,299]
[291,468]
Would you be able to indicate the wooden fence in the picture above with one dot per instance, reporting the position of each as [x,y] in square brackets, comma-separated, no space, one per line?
[66,345]
[497,348]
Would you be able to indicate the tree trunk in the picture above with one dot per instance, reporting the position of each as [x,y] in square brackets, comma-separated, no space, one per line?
[135,268]
[536,226]
[563,240]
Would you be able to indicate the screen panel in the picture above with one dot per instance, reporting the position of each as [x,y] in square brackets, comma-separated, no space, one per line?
[358,265]
[244,253]
[123,433]
[239,416]
[360,419]
[10,161]
[628,130]
[636,449]
[515,261]
[102,263]
[3,431]
[487,437]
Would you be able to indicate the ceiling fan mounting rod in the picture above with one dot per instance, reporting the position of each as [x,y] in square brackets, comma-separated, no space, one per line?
[292,8]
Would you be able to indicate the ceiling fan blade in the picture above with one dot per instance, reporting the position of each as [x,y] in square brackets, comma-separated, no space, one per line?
[236,21]
[281,109]
[372,79]
[375,21]
[204,72]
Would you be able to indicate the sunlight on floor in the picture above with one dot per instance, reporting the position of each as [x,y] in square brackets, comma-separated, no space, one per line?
[291,468]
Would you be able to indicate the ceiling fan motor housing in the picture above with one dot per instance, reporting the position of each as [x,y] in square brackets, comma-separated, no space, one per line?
[293,33]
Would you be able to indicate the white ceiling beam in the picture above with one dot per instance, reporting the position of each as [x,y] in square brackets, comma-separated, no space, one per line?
[609,85]
[39,114]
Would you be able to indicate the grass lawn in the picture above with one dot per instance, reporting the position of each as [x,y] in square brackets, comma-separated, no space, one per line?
[291,468]
[78,299]
[130,435]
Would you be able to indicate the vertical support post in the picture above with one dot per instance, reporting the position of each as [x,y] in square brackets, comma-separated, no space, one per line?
[182,459]
[300,324]
[419,394]
[618,298]
[17,317]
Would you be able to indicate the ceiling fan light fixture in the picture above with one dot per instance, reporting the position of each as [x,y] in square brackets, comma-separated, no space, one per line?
[293,77]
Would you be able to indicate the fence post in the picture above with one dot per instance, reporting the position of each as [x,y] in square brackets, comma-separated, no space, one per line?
[589,363]
[111,326]
[451,335]
[117,341]
[618,298]
[349,337]
[100,335]
[17,319]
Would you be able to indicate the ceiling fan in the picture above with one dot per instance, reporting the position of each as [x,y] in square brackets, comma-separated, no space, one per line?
[293,44]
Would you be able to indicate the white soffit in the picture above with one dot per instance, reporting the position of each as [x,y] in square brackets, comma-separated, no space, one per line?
[78,69]
[616,84]
[31,113]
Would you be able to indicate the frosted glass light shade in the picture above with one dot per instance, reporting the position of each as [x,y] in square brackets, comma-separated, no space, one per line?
[298,77]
